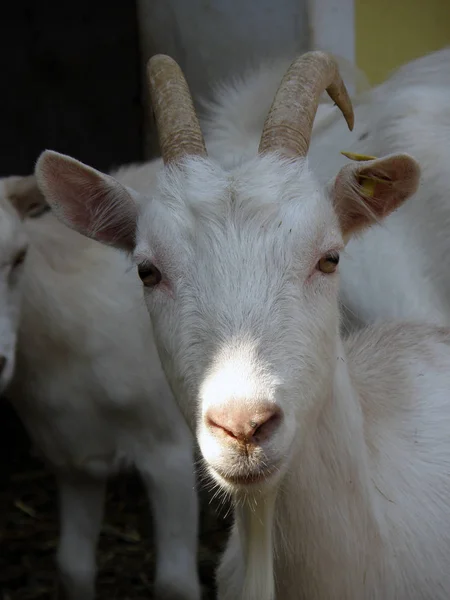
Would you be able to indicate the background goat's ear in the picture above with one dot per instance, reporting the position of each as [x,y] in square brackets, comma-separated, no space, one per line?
[366,192]
[94,204]
[25,195]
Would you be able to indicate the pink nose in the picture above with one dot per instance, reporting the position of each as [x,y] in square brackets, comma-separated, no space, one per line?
[244,424]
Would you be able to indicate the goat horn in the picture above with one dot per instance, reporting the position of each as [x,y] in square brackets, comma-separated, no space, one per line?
[177,124]
[288,125]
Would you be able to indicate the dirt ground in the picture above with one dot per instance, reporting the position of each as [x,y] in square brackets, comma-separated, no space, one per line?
[29,530]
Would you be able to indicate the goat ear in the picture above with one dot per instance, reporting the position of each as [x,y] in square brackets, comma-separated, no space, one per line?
[94,204]
[25,195]
[366,192]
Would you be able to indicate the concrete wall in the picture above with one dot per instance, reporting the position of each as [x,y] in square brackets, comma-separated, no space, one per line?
[213,39]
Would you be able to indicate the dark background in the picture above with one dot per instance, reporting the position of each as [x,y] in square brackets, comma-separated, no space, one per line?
[70,82]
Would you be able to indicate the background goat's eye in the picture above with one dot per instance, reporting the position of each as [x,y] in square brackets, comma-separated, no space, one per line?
[149,275]
[329,262]
[19,258]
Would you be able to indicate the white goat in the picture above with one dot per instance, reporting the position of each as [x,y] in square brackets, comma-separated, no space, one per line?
[400,264]
[336,451]
[91,392]
[13,246]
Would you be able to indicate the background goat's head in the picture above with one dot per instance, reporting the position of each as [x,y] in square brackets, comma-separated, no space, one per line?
[239,268]
[19,198]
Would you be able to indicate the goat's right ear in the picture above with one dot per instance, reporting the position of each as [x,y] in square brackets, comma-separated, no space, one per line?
[368,191]
[90,202]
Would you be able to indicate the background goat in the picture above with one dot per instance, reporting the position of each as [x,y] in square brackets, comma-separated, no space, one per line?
[24,199]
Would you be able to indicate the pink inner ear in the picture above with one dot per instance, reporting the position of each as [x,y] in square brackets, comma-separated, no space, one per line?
[88,201]
[396,178]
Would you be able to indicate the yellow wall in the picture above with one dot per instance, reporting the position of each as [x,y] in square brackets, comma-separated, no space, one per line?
[392,32]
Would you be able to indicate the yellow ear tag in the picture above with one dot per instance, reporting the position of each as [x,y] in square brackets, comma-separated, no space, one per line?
[368,185]
[358,157]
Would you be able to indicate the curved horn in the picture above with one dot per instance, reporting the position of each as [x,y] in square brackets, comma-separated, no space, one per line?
[288,125]
[177,124]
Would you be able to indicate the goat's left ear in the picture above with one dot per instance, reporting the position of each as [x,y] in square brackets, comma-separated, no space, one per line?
[90,202]
[366,192]
[25,195]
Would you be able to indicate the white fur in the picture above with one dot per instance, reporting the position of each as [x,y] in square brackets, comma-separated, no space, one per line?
[233,119]
[91,392]
[355,497]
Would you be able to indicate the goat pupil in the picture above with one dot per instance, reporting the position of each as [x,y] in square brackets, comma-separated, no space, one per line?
[333,258]
[150,275]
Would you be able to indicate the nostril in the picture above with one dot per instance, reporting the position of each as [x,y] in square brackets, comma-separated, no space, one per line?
[264,430]
[2,363]
[215,423]
[244,424]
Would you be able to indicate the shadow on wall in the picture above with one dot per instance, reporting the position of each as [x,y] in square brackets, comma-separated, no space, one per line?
[71,82]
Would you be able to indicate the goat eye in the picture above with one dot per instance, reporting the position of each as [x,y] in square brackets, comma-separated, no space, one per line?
[328,263]
[19,259]
[150,275]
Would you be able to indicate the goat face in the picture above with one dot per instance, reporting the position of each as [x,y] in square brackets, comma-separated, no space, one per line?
[245,319]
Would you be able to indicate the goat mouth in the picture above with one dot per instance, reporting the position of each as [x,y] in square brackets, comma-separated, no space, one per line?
[246,479]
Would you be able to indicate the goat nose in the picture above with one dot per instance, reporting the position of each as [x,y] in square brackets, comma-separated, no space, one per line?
[244,424]
[2,363]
